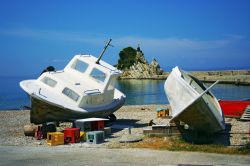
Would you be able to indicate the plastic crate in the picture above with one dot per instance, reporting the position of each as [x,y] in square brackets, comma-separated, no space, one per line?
[97,125]
[71,135]
[55,138]
[95,137]
[83,136]
[39,133]
[107,131]
[162,112]
[89,125]
[83,126]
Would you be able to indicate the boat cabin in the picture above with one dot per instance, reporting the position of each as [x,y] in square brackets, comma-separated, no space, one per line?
[83,82]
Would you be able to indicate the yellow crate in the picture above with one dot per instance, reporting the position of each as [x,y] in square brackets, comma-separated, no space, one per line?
[55,138]
[162,113]
[83,136]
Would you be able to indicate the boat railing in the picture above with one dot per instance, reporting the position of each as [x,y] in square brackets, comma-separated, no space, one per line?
[39,92]
[92,92]
[84,55]
[115,71]
[55,72]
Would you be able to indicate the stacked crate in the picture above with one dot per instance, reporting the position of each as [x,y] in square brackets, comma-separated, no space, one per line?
[107,131]
[82,136]
[95,137]
[161,112]
[90,124]
[82,125]
[39,133]
[71,135]
[97,125]
[92,129]
[55,138]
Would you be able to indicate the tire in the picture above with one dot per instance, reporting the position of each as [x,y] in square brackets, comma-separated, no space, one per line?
[112,118]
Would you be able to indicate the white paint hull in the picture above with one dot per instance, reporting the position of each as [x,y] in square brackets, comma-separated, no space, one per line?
[84,89]
[43,111]
[192,104]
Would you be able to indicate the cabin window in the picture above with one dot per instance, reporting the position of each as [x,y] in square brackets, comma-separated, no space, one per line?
[112,83]
[49,81]
[98,75]
[80,66]
[71,94]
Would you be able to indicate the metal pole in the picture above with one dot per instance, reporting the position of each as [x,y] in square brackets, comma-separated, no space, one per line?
[100,56]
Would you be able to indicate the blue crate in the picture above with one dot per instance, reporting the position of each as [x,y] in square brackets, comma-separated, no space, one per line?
[95,137]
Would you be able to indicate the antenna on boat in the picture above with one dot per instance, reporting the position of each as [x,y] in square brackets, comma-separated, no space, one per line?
[106,46]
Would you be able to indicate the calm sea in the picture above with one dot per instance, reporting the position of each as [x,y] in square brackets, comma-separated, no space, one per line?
[138,92]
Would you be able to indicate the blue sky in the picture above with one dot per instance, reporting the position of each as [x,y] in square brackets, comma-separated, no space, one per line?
[193,34]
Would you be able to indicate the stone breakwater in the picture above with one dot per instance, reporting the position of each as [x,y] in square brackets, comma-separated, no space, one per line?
[239,77]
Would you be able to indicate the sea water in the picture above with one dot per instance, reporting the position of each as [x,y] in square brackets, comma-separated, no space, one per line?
[138,92]
[152,91]
[11,95]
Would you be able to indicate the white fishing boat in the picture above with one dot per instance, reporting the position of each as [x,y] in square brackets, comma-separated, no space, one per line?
[192,103]
[85,88]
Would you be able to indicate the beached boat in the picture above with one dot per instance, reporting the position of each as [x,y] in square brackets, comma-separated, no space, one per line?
[234,108]
[85,88]
[192,103]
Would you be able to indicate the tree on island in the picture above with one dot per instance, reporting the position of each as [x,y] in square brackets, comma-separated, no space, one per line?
[129,56]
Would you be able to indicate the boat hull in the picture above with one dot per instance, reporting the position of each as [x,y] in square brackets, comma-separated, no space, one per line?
[234,108]
[199,118]
[192,104]
[43,111]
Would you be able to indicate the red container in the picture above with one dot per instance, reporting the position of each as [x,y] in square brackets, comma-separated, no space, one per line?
[71,135]
[97,125]
[39,133]
[233,108]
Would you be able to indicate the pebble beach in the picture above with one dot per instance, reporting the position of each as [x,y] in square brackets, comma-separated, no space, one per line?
[137,117]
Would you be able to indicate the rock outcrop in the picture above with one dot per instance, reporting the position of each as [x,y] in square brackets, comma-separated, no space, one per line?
[141,69]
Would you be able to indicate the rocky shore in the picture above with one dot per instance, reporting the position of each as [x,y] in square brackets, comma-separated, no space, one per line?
[134,65]
[137,117]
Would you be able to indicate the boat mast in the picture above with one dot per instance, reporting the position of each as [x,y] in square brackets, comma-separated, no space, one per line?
[100,56]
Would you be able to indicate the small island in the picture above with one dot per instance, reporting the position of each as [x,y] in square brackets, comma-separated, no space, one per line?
[135,66]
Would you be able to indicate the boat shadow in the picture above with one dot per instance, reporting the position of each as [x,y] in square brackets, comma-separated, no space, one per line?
[221,138]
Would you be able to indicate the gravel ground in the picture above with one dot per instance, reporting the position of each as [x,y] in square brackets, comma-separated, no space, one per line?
[12,122]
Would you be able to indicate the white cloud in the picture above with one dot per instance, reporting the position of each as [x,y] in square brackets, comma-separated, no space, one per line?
[171,43]
[179,44]
[52,35]
[161,47]
[58,60]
